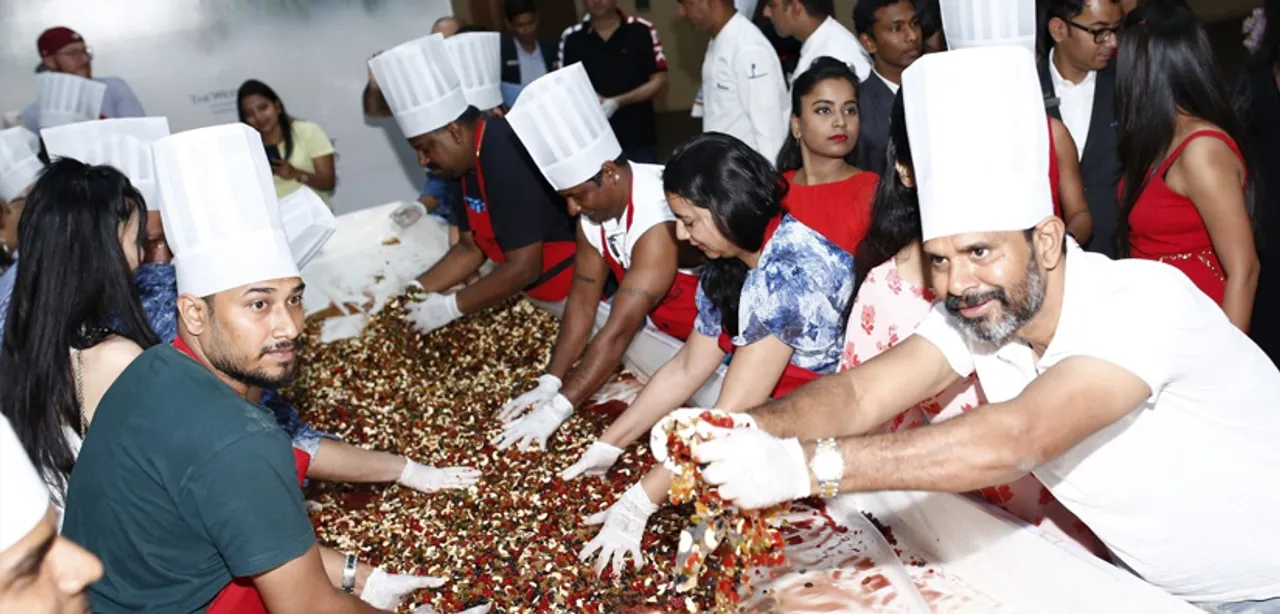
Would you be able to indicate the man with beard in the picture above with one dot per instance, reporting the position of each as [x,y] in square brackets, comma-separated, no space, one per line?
[1121,387]
[507,213]
[187,491]
[63,50]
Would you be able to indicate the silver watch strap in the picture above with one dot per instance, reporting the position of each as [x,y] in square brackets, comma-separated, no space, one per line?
[349,574]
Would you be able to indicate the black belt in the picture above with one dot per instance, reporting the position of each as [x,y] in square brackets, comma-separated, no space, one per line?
[550,273]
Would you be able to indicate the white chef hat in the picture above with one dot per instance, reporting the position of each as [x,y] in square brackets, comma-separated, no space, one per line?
[308,223]
[20,164]
[982,23]
[122,143]
[979,141]
[65,99]
[26,497]
[421,87]
[220,211]
[477,60]
[559,120]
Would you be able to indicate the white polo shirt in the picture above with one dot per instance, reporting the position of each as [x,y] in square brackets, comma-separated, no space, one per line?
[743,90]
[1185,489]
[647,209]
[834,40]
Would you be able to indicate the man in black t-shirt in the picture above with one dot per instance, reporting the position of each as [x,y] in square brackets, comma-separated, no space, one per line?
[623,57]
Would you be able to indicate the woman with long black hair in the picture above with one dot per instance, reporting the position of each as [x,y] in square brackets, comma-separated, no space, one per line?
[893,297]
[772,293]
[1258,99]
[299,151]
[75,321]
[1186,197]
[826,189]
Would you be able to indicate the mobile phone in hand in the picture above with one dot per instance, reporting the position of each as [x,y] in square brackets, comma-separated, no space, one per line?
[273,154]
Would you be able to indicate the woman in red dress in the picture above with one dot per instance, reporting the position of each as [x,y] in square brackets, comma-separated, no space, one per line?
[1186,197]
[826,190]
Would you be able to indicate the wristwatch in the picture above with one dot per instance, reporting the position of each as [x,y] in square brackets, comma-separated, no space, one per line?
[349,574]
[827,467]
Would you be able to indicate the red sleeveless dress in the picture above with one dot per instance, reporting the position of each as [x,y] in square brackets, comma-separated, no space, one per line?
[1165,225]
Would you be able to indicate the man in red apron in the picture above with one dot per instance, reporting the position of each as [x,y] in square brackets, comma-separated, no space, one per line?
[626,228]
[189,490]
[507,213]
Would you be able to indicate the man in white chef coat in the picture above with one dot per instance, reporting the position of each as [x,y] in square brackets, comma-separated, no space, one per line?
[813,23]
[1117,383]
[743,89]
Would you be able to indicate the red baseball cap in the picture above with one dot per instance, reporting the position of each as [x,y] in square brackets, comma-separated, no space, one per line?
[54,39]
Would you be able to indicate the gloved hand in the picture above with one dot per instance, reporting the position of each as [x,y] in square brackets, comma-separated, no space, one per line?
[596,461]
[537,426]
[610,107]
[624,524]
[425,479]
[434,311]
[548,386]
[658,434]
[754,469]
[385,591]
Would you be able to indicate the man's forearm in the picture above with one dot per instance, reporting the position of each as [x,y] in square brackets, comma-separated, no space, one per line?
[374,103]
[648,91]
[458,263]
[826,407]
[575,327]
[506,281]
[603,356]
[982,448]
[334,562]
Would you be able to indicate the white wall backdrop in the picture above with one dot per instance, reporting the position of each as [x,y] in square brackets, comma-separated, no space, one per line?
[186,58]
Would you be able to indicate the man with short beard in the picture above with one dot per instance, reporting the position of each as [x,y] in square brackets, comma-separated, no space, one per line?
[1118,384]
[187,490]
[63,50]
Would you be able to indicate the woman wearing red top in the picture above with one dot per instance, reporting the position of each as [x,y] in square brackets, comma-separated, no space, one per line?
[1064,181]
[827,191]
[1186,198]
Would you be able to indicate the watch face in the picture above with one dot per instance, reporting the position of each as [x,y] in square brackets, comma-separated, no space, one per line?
[828,465]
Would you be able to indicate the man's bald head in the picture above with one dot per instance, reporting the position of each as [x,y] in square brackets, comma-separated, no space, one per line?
[447,25]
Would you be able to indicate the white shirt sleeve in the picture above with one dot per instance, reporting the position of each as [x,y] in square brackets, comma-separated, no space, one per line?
[763,93]
[936,328]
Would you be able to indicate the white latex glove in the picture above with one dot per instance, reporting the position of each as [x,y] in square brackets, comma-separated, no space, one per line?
[435,311]
[536,427]
[426,479]
[610,106]
[385,591]
[596,461]
[755,469]
[548,386]
[658,434]
[624,524]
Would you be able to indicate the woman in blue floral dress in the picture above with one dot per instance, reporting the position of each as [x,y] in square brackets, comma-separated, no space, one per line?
[773,293]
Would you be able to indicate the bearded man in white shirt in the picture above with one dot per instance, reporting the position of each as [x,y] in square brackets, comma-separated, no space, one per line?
[1121,387]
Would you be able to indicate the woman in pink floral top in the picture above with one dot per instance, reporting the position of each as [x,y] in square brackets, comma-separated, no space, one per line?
[892,299]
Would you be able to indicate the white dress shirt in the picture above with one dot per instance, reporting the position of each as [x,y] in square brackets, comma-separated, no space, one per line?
[743,90]
[893,87]
[1075,103]
[834,40]
[1177,488]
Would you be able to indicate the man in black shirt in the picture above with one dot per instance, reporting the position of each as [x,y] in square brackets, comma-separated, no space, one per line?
[624,59]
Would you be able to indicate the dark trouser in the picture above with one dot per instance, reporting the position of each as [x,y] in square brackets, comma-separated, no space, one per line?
[643,155]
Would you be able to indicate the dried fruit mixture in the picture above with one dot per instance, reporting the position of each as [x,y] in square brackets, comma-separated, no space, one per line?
[512,539]
[740,540]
